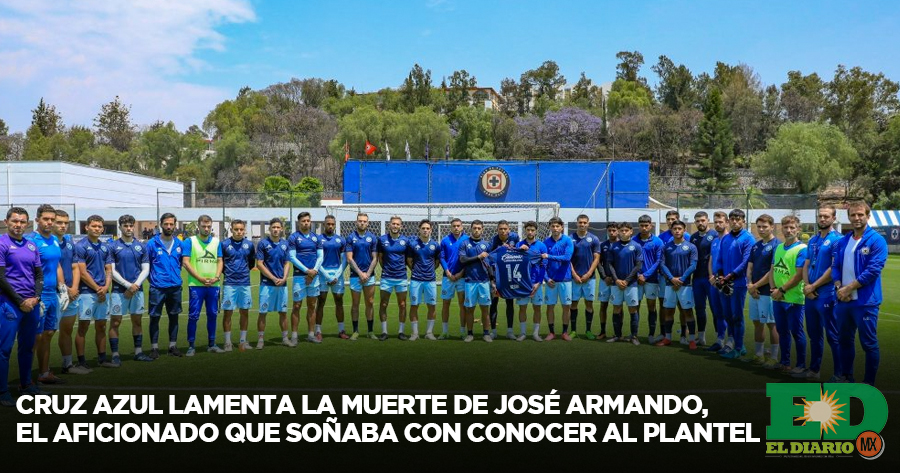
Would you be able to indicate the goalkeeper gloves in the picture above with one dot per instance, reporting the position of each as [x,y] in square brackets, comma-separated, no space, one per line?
[63,295]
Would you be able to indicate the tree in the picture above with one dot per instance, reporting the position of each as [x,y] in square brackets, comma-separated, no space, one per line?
[364,123]
[308,192]
[714,147]
[420,128]
[474,138]
[810,155]
[860,103]
[584,94]
[676,88]
[509,93]
[803,97]
[46,119]
[457,92]
[627,97]
[275,192]
[629,66]
[241,114]
[416,89]
[4,144]
[883,167]
[572,133]
[545,80]
[113,124]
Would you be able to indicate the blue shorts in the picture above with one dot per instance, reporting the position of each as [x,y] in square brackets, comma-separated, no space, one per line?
[536,299]
[355,286]
[586,290]
[450,288]
[301,290]
[562,293]
[394,285]
[650,291]
[478,293]
[422,292]
[604,293]
[168,297]
[236,297]
[627,296]
[72,309]
[90,309]
[119,305]
[337,288]
[272,299]
[49,313]
[761,310]
[683,296]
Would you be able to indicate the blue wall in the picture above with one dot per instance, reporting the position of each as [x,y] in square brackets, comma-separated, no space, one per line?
[569,183]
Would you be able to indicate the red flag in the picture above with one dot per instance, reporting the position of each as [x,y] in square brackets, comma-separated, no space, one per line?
[370,148]
[346,151]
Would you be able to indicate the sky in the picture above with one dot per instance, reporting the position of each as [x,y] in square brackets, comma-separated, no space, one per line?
[176,59]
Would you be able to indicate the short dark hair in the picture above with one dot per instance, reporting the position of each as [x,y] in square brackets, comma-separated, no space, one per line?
[765,218]
[625,225]
[362,214]
[126,219]
[719,213]
[612,225]
[859,204]
[167,216]
[456,219]
[790,219]
[424,221]
[531,223]
[17,211]
[238,221]
[673,212]
[476,222]
[303,214]
[677,223]
[737,213]
[830,207]
[701,214]
[645,219]
[276,220]
[94,218]
[582,216]
[204,218]
[502,222]
[330,217]
[62,213]
[555,220]
[45,208]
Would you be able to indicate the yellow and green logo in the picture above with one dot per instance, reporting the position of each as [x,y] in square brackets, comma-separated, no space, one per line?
[819,425]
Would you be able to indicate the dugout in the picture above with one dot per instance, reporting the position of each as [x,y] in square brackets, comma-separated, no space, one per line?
[887,223]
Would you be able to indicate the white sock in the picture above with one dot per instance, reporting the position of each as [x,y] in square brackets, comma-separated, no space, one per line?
[154,346]
[294,335]
[509,330]
[730,342]
[243,336]
[228,337]
[340,327]
[760,347]
[415,327]
[535,328]
[522,328]
[284,334]
[402,327]
[776,350]
[115,353]
[445,326]
[312,335]
[384,327]
[261,335]
[429,326]
[701,335]
[138,350]
[171,344]
[318,328]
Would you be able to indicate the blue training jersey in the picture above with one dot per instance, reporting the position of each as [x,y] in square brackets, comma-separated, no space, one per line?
[362,247]
[165,262]
[307,247]
[95,259]
[67,257]
[734,255]
[539,268]
[624,257]
[332,250]
[128,258]
[583,252]
[679,260]
[714,250]
[426,256]
[511,239]
[238,256]
[393,256]
[703,242]
[450,253]
[475,270]
[273,254]
[666,237]
[512,271]
[604,254]
[653,252]
[761,256]
[50,256]
[820,252]
[559,258]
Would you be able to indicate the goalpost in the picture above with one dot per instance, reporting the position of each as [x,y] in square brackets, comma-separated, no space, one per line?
[516,213]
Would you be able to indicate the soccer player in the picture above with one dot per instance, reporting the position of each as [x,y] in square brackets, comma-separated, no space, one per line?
[585,260]
[734,255]
[453,281]
[786,281]
[71,281]
[606,281]
[648,279]
[94,260]
[21,288]
[203,262]
[671,217]
[130,267]
[392,258]
[758,269]
[536,299]
[362,246]
[702,239]
[859,259]
[164,252]
[331,275]
[716,298]
[423,257]
[820,298]
[472,254]
[50,252]
[623,264]
[558,276]
[273,262]
[305,253]
[678,264]
[504,237]
[239,257]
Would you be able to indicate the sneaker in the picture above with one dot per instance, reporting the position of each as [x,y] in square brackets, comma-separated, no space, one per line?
[635,341]
[288,342]
[319,336]
[536,337]
[51,378]
[602,336]
[590,336]
[771,364]
[191,351]
[444,336]
[510,335]
[65,369]
[715,347]
[566,337]
[731,354]
[312,339]
[414,337]
[430,336]
[142,357]
[663,343]
[354,336]
[520,338]
[798,372]
[7,400]
[468,338]
[701,341]
[692,345]
[174,351]
[343,335]
[244,346]
[32,389]
[215,349]
[228,347]
[402,337]
[626,338]
[550,336]
[760,360]
[374,337]
[117,360]
[684,341]
[493,334]
[260,344]
[836,379]
[810,374]
[612,339]
[749,358]
[80,369]
[725,350]
[382,337]
[488,337]
[154,353]
[110,364]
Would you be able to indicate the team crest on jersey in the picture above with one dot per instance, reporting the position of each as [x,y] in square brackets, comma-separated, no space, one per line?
[264,307]
[159,252]
[431,247]
[116,308]
[31,247]
[245,246]
[865,250]
[88,311]
[283,247]
[709,238]
[684,247]
[338,240]
[826,243]
[69,246]
[104,249]
[590,240]
[630,247]
[315,239]
[402,242]
[137,248]
[178,250]
[368,239]
[768,248]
